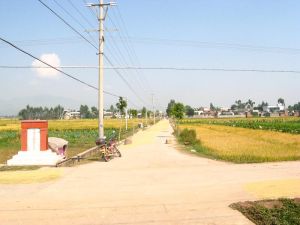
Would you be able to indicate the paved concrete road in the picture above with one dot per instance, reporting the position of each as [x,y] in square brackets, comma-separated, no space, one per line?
[153,183]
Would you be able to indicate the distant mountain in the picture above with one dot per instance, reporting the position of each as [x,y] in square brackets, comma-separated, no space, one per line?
[13,106]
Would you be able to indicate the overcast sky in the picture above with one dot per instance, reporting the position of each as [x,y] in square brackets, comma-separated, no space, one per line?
[231,34]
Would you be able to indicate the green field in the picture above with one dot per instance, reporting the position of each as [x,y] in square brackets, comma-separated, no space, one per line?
[219,139]
[81,134]
[283,124]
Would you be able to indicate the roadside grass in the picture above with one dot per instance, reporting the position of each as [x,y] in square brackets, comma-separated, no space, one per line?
[271,212]
[241,145]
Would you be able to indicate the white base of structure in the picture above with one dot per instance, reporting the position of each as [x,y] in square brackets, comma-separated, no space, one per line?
[41,158]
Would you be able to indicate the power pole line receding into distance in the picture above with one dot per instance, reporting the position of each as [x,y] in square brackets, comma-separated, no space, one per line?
[103,8]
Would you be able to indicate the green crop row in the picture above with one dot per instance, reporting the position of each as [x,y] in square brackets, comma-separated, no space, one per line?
[285,125]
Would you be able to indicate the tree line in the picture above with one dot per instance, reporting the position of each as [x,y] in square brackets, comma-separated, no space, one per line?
[86,112]
[41,112]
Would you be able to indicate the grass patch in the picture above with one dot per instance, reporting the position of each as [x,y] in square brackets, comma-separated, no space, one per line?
[271,212]
[242,145]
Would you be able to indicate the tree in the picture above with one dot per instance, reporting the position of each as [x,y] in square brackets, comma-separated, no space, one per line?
[233,107]
[260,106]
[281,101]
[297,106]
[189,111]
[94,112]
[112,109]
[121,105]
[239,104]
[84,111]
[178,110]
[58,111]
[144,110]
[212,107]
[170,107]
[250,102]
[133,113]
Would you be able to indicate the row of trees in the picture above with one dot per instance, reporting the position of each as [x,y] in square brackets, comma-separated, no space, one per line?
[120,108]
[41,113]
[85,112]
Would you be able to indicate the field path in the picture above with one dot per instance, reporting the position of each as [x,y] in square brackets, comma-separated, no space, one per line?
[153,183]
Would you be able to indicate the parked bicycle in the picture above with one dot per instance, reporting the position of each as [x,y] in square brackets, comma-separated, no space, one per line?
[108,148]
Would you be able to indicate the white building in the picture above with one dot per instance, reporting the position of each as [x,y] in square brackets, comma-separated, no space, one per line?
[71,114]
[272,109]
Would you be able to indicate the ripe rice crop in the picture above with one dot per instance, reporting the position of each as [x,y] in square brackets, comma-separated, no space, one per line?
[244,145]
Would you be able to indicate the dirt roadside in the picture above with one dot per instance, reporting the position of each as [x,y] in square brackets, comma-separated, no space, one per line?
[153,183]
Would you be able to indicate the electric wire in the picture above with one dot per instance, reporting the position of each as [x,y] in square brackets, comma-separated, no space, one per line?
[122,57]
[193,43]
[130,52]
[160,68]
[93,13]
[76,20]
[53,67]
[125,81]
[82,16]
[65,22]
[130,44]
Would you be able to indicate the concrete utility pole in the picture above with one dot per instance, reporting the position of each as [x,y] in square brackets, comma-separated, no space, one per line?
[146,117]
[153,108]
[103,7]
[126,115]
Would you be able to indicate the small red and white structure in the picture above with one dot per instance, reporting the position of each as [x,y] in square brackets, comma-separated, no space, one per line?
[34,145]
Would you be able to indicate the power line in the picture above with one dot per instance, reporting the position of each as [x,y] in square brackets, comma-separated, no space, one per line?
[74,18]
[93,13]
[125,81]
[47,64]
[65,22]
[90,44]
[122,57]
[160,68]
[129,48]
[78,11]
[194,43]
[272,49]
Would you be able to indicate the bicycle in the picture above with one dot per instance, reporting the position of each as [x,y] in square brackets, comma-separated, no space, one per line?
[108,148]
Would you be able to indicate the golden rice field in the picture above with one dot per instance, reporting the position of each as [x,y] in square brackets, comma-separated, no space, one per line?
[245,145]
[15,125]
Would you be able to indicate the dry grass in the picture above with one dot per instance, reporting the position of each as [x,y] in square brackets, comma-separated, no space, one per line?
[274,188]
[32,176]
[246,145]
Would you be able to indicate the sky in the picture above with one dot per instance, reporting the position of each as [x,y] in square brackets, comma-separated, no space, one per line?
[209,34]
